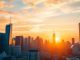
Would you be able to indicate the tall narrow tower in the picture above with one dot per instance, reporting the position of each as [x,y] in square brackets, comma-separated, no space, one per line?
[10,39]
[8,36]
[54,38]
[79,31]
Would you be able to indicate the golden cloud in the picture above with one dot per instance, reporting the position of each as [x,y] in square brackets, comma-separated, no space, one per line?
[2,4]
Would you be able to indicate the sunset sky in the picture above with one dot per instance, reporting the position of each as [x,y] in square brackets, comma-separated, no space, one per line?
[41,17]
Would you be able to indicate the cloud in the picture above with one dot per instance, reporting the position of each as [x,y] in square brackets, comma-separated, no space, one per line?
[11,5]
[42,9]
[33,15]
[2,4]
[72,7]
[3,22]
[65,6]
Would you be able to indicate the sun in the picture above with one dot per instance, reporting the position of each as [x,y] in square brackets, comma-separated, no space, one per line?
[57,39]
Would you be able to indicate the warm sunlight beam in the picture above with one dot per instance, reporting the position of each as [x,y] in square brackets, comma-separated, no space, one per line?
[57,39]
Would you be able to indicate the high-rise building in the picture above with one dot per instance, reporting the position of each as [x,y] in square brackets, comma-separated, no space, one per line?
[19,40]
[26,43]
[15,50]
[73,41]
[2,42]
[8,36]
[79,31]
[29,42]
[5,38]
[38,43]
[33,55]
[54,36]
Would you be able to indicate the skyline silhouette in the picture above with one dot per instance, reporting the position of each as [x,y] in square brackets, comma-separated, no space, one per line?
[36,48]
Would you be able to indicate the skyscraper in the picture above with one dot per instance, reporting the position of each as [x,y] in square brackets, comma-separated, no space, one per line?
[79,31]
[54,45]
[54,38]
[5,38]
[73,41]
[2,42]
[19,40]
[8,36]
[33,55]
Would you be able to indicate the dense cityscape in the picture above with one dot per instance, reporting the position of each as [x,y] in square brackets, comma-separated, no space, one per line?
[39,29]
[29,48]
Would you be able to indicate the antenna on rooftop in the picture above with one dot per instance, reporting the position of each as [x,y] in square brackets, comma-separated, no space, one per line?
[10,18]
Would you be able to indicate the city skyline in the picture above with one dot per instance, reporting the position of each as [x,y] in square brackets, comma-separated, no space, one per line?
[38,15]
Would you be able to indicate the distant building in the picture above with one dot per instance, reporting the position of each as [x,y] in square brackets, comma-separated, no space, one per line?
[25,44]
[29,39]
[37,43]
[15,50]
[79,31]
[54,37]
[19,40]
[54,44]
[8,36]
[2,42]
[33,55]
[73,41]
[76,49]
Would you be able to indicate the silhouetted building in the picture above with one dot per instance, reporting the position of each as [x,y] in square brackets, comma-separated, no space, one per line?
[8,36]
[54,36]
[76,49]
[29,42]
[54,45]
[19,40]
[25,44]
[38,42]
[15,50]
[5,38]
[33,55]
[79,31]
[73,41]
[2,42]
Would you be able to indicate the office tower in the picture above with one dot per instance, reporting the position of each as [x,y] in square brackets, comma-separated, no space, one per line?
[19,40]
[26,44]
[79,31]
[73,41]
[15,50]
[8,36]
[2,42]
[39,43]
[33,55]
[54,51]
[9,32]
[46,46]
[54,36]
[29,42]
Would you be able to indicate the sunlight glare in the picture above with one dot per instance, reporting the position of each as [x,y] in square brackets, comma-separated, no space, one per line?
[57,39]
